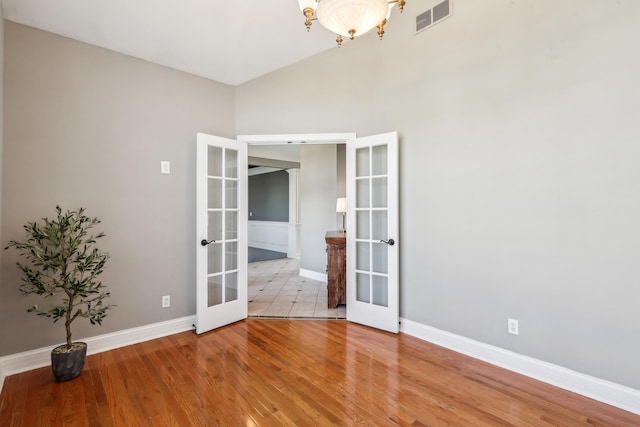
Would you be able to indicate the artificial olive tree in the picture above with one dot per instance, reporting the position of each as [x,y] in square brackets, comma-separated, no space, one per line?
[64,262]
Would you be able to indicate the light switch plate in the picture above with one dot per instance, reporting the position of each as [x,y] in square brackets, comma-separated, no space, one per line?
[165,167]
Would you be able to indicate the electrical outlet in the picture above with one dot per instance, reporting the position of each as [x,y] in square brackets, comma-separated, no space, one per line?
[166,301]
[512,326]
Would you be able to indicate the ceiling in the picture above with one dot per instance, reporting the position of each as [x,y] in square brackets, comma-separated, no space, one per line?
[229,41]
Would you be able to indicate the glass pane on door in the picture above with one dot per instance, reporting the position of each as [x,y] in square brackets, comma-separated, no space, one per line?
[363,291]
[231,287]
[379,290]
[231,163]
[362,224]
[362,162]
[379,160]
[215,225]
[214,291]
[231,256]
[379,192]
[379,257]
[231,194]
[214,258]
[362,257]
[231,224]
[214,161]
[379,225]
[214,193]
[362,193]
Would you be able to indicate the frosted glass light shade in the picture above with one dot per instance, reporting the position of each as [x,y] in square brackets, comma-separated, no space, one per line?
[343,16]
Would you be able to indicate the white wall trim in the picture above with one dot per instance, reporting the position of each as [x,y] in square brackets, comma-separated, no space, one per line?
[261,170]
[293,251]
[313,275]
[595,388]
[33,359]
[294,214]
[270,235]
[302,138]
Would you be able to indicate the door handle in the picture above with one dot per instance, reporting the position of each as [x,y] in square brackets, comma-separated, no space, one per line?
[205,242]
[389,242]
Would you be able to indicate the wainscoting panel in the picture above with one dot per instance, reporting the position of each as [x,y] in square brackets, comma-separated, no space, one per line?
[270,235]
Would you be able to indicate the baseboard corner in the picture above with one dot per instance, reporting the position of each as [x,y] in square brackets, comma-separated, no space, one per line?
[320,277]
[605,391]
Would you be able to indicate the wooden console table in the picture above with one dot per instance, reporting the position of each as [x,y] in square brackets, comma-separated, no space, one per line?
[336,268]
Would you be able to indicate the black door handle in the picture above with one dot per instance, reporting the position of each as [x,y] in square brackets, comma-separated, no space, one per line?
[389,242]
[205,242]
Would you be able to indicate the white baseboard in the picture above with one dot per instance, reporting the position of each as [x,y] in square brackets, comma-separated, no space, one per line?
[28,360]
[595,388]
[313,275]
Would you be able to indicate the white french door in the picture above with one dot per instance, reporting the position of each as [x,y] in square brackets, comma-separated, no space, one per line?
[372,231]
[221,226]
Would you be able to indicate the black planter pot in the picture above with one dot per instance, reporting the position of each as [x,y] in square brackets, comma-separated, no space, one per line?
[68,364]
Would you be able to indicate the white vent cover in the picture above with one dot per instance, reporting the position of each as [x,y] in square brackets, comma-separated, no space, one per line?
[438,10]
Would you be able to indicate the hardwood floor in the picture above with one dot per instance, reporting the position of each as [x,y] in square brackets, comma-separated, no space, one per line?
[283,373]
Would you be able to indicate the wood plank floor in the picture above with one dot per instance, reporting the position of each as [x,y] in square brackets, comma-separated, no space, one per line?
[263,372]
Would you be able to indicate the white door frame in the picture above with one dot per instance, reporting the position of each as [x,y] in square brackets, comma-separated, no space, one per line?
[299,138]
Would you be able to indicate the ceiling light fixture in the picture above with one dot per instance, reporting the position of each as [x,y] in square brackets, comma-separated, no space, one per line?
[349,18]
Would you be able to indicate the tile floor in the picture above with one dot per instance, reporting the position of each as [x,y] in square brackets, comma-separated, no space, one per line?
[277,290]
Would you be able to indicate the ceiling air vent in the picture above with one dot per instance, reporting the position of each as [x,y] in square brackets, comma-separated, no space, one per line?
[438,10]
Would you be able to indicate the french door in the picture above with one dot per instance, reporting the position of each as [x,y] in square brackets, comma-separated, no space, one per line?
[221,226]
[372,231]
[372,224]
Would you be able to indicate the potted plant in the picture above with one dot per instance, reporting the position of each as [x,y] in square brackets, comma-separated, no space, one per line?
[63,263]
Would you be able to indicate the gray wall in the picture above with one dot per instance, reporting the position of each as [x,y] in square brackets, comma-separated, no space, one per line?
[518,168]
[88,127]
[317,200]
[269,196]
[519,148]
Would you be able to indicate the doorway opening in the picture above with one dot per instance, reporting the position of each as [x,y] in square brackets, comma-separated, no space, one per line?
[294,283]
